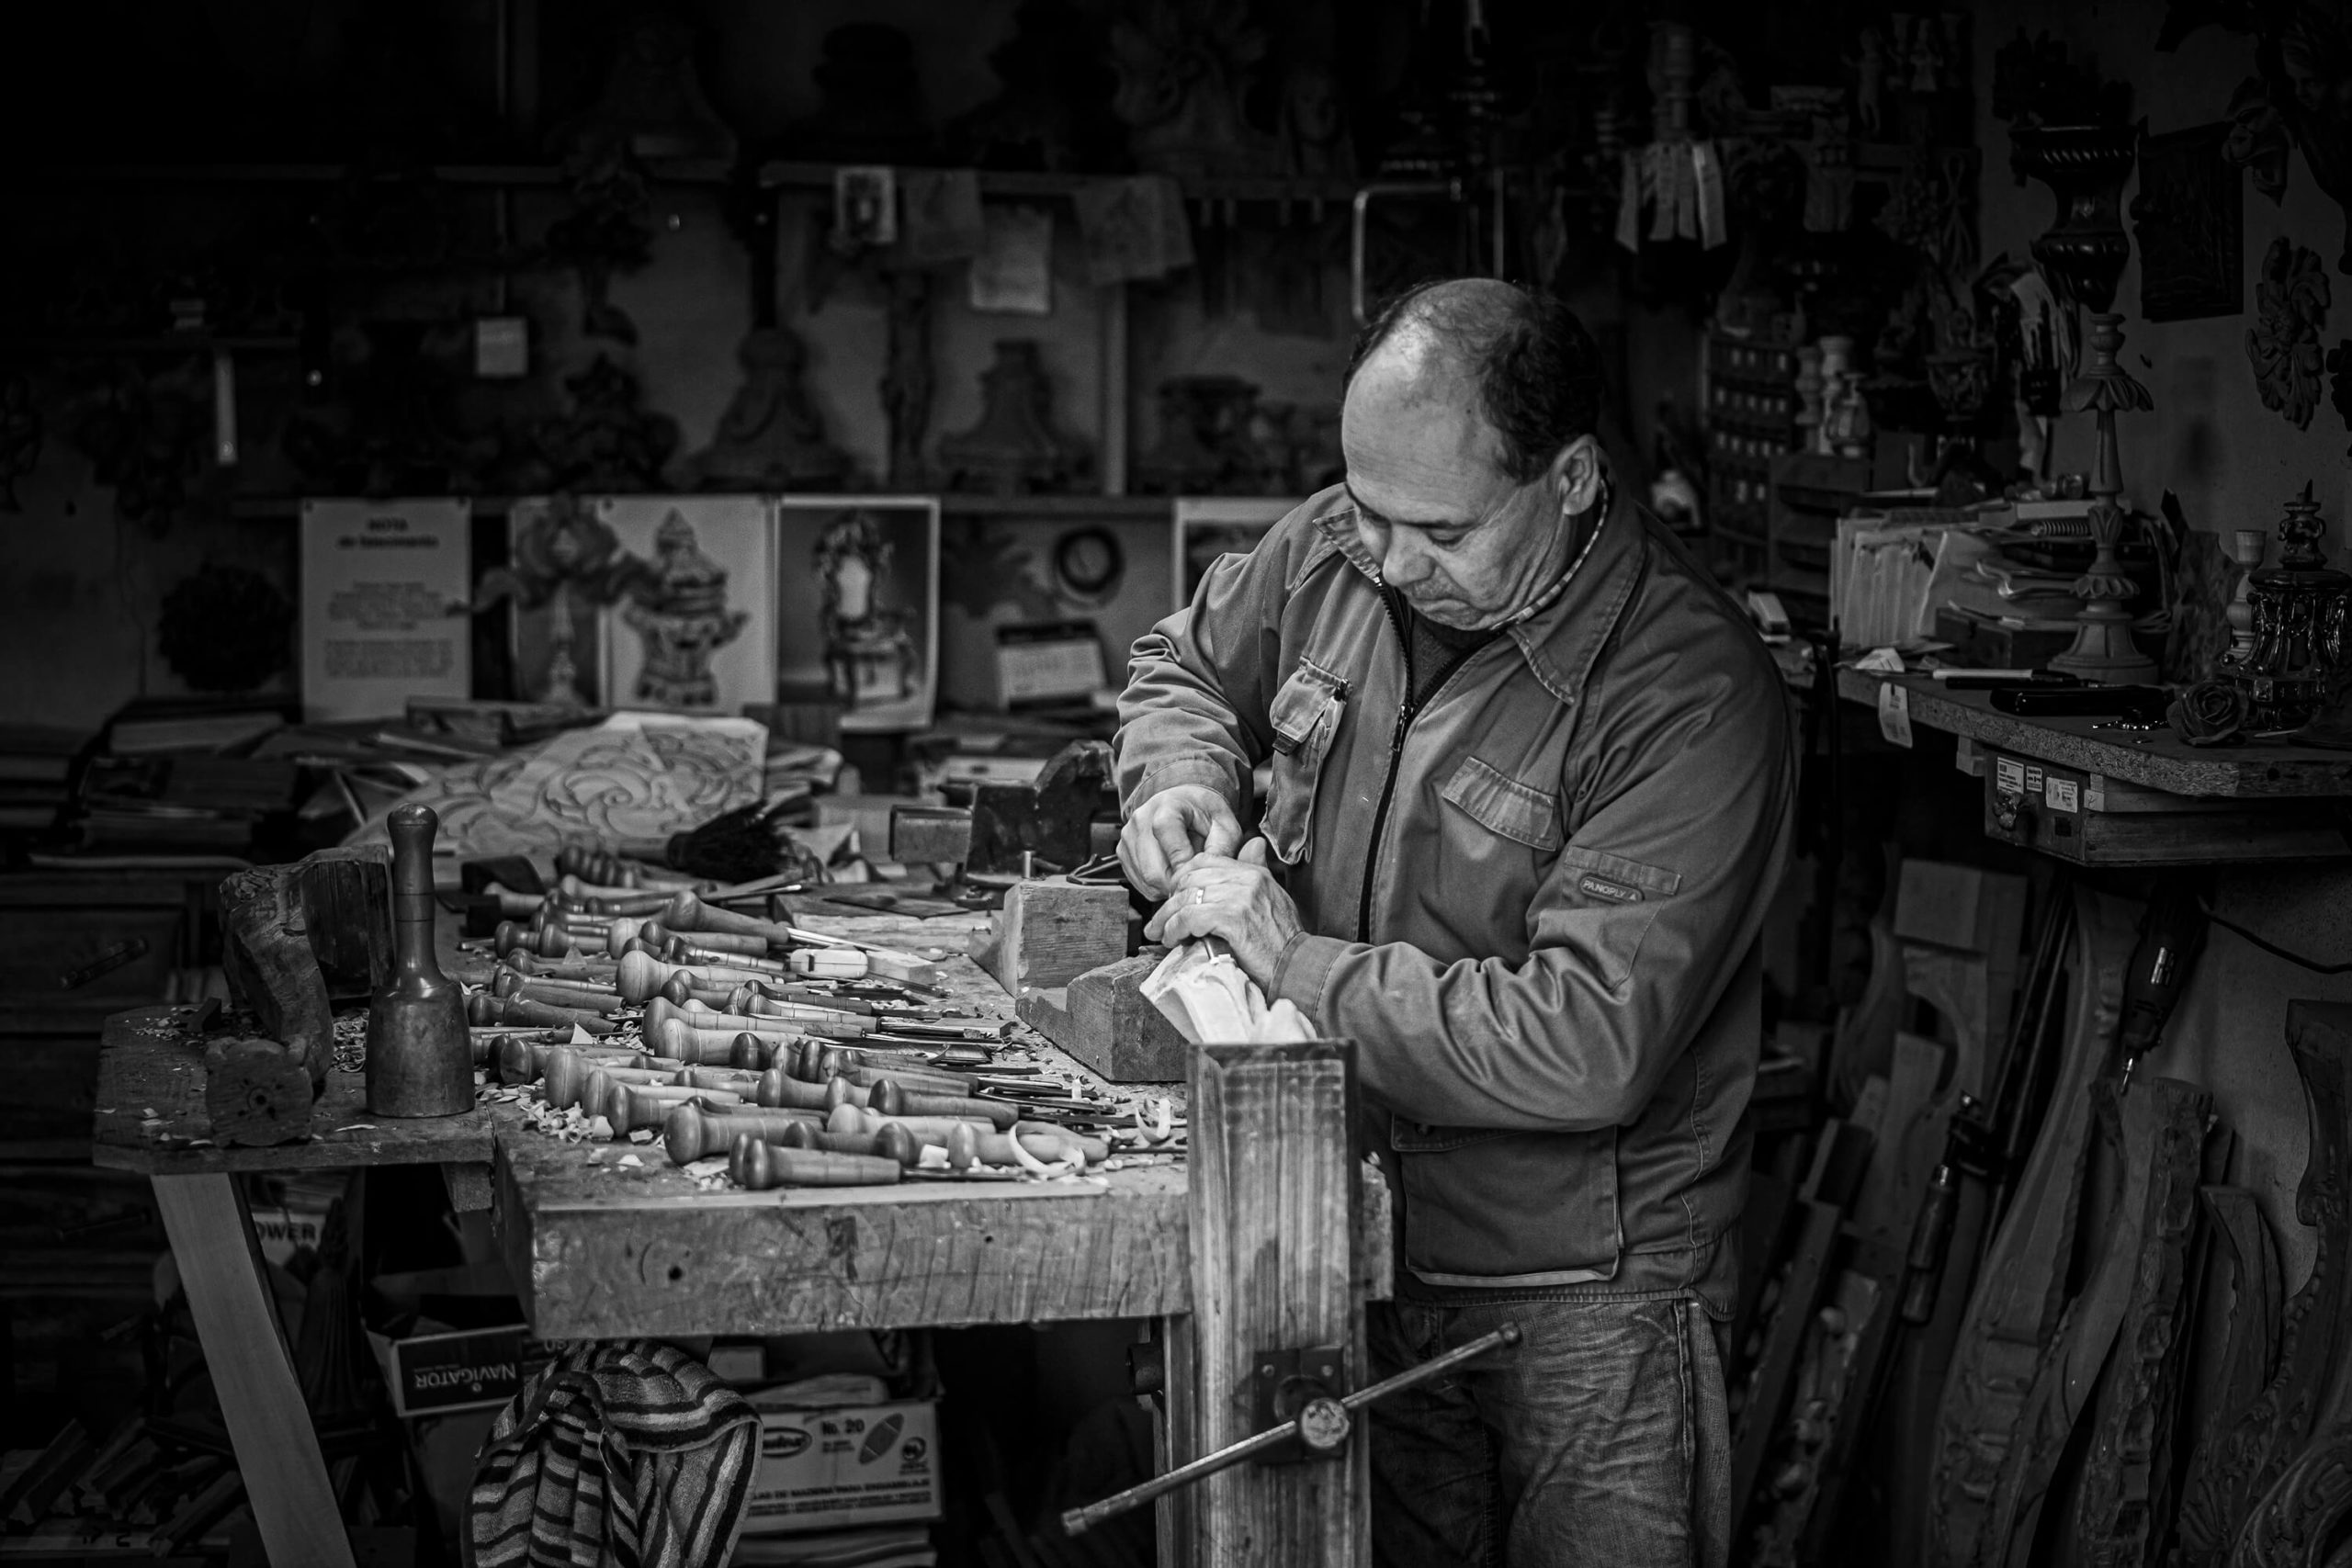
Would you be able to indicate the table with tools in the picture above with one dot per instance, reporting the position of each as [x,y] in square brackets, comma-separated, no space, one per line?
[696,1120]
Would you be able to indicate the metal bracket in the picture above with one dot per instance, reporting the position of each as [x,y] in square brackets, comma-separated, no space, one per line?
[1281,1385]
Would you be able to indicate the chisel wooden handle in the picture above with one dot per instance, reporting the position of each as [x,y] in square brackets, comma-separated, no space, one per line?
[661,1011]
[687,913]
[551,941]
[760,1166]
[572,1079]
[693,1131]
[555,993]
[967,1145]
[929,1129]
[641,975]
[777,1086]
[891,1100]
[483,1008]
[704,1048]
[827,1062]
[629,1106]
[599,970]
[679,947]
[656,936]
[734,1080]
[521,1059]
[892,1143]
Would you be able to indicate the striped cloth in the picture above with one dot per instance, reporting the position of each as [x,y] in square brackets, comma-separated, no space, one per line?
[618,1454]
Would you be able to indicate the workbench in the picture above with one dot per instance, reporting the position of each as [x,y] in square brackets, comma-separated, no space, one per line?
[600,1249]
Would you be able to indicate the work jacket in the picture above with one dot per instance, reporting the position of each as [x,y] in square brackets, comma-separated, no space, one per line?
[1533,904]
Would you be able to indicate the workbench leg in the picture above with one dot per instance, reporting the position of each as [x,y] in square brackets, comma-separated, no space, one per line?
[1176,1440]
[244,1349]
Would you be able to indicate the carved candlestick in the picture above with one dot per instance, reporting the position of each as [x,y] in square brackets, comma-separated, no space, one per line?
[2103,650]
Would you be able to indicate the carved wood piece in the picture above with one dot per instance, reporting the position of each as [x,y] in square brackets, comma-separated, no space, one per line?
[296,938]
[2214,1501]
[2125,1503]
[2300,1435]
[2020,1304]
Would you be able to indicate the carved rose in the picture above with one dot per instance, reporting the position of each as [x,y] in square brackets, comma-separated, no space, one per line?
[2210,713]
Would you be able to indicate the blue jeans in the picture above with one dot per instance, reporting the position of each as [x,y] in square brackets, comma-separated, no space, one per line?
[1603,1439]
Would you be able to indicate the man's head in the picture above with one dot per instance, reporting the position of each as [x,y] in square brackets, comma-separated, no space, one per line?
[1467,430]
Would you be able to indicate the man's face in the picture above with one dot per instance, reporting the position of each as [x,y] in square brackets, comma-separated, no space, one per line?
[1466,545]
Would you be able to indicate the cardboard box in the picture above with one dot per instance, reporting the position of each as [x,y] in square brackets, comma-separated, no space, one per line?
[849,1465]
[432,1374]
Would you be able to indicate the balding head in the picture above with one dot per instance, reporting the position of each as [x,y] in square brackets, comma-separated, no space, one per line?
[1521,360]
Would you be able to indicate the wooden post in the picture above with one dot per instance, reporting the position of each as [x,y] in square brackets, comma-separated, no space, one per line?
[261,1399]
[1273,1196]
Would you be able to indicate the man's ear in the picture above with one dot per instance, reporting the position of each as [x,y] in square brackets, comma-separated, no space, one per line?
[1576,475]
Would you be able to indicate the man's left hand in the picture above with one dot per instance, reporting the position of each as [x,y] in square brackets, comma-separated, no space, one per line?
[1236,898]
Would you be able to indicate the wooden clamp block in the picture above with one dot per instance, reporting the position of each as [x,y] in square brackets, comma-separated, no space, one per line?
[1050,931]
[1103,1018]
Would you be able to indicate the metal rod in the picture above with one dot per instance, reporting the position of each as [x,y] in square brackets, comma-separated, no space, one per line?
[1077,1521]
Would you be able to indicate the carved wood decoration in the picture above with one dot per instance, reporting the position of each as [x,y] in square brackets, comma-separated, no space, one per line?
[2125,1503]
[2020,1305]
[2190,218]
[2214,1500]
[2303,60]
[2303,1471]
[2283,346]
[2068,1371]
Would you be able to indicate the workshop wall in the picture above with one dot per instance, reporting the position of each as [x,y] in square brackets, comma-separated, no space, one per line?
[2233,462]
[81,589]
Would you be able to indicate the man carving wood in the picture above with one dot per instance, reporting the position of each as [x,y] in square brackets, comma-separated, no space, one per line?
[1532,783]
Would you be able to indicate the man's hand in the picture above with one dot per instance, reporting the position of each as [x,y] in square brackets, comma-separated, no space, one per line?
[1169,829]
[1235,898]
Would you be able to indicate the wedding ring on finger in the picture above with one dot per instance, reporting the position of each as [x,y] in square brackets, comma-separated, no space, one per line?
[1200,894]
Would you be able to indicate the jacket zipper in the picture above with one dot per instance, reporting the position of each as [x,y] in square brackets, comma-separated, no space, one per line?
[1408,712]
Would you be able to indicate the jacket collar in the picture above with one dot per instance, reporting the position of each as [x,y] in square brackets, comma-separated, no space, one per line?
[1562,641]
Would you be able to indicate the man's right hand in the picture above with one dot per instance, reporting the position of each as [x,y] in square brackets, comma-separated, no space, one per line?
[1169,828]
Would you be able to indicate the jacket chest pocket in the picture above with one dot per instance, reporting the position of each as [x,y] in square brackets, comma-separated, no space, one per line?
[1502,805]
[1305,718]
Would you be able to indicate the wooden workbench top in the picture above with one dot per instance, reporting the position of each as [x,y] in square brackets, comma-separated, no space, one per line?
[2156,759]
[150,1116]
[606,1240]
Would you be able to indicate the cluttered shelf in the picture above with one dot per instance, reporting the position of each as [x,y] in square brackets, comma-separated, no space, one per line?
[2155,759]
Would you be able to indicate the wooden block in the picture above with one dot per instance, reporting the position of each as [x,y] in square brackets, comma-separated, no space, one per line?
[296,938]
[1273,1209]
[257,1093]
[1103,1018]
[1050,931]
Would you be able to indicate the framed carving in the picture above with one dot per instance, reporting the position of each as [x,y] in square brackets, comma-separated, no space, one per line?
[2190,218]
